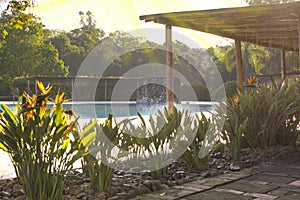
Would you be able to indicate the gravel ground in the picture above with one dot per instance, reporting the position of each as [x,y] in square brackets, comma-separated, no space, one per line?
[128,184]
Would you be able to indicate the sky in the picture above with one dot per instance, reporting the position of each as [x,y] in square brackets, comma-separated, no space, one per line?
[112,15]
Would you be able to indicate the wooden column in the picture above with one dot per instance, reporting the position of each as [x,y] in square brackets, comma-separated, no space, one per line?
[283,64]
[299,35]
[239,65]
[170,72]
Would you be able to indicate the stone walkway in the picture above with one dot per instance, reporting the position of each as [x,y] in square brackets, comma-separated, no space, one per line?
[277,179]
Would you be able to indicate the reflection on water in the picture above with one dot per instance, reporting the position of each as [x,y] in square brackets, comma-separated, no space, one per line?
[88,110]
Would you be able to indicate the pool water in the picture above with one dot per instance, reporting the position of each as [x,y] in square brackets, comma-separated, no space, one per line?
[89,110]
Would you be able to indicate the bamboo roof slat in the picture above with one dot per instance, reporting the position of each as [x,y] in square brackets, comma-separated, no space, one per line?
[273,26]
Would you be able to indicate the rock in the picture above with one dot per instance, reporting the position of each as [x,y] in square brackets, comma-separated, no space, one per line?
[204,174]
[140,190]
[17,187]
[100,195]
[114,198]
[179,182]
[112,191]
[220,166]
[178,174]
[234,167]
[5,198]
[132,193]
[134,170]
[7,189]
[122,195]
[120,172]
[145,171]
[158,186]
[91,197]
[90,192]
[81,195]
[17,193]
[74,190]
[148,184]
[5,194]
[20,198]
[217,155]
[11,183]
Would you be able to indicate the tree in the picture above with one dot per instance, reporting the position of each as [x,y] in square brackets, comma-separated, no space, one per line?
[13,16]
[23,51]
[227,75]
[87,36]
[69,53]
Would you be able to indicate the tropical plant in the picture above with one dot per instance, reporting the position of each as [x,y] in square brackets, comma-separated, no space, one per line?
[96,164]
[234,125]
[161,138]
[262,116]
[193,154]
[230,89]
[42,143]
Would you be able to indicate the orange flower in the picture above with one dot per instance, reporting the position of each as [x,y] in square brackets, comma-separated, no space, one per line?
[236,99]
[69,130]
[251,80]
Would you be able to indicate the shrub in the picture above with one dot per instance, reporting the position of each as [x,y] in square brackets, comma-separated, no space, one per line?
[4,89]
[203,142]
[152,141]
[263,116]
[230,89]
[42,143]
[96,164]
[200,90]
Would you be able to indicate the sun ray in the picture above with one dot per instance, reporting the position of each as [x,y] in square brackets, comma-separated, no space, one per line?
[112,15]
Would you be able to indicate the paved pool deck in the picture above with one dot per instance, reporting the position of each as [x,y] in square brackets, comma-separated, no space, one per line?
[276,179]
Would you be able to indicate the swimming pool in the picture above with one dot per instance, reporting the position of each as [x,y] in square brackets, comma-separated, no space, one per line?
[89,110]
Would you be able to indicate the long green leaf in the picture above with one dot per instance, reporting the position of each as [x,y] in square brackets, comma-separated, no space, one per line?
[9,113]
[88,139]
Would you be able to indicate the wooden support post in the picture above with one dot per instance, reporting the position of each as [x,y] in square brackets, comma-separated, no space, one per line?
[170,72]
[299,35]
[283,65]
[239,66]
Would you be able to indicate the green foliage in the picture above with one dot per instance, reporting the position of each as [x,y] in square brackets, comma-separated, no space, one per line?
[96,163]
[264,116]
[259,57]
[256,59]
[152,141]
[200,90]
[69,53]
[13,16]
[23,51]
[192,155]
[234,125]
[4,89]
[230,89]
[42,143]
[87,36]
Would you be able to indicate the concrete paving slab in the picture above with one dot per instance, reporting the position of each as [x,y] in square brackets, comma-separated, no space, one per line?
[287,170]
[215,195]
[295,183]
[247,186]
[290,196]
[271,178]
